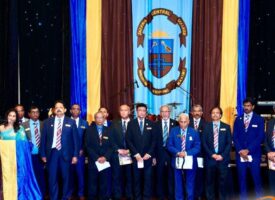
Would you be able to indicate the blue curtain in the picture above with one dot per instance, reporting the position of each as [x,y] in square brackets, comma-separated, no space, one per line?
[243,40]
[78,54]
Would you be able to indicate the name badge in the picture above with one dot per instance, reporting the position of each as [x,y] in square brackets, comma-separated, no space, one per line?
[223,129]
[27,129]
[83,127]
[51,125]
[68,125]
[190,138]
[254,125]
[105,137]
[149,128]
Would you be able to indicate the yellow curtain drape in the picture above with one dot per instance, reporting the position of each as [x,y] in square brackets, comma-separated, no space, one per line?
[93,38]
[229,64]
[9,168]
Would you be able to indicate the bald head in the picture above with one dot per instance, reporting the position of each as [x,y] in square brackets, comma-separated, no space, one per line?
[183,120]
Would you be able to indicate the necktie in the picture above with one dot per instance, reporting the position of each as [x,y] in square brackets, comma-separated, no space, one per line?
[100,135]
[165,133]
[216,137]
[58,138]
[246,122]
[124,132]
[141,126]
[36,135]
[183,140]
[196,124]
[273,137]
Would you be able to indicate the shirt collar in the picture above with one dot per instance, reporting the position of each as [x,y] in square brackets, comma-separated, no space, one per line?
[57,118]
[32,122]
[125,120]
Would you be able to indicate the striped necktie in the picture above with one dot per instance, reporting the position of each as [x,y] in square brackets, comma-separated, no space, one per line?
[273,137]
[216,137]
[36,134]
[183,140]
[165,133]
[196,124]
[59,133]
[246,122]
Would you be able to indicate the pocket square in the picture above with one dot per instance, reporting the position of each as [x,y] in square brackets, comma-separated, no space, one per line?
[68,125]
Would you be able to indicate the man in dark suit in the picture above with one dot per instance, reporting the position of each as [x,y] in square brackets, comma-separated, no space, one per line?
[141,140]
[21,113]
[270,149]
[59,149]
[217,144]
[99,147]
[165,173]
[33,129]
[248,134]
[121,174]
[184,141]
[197,123]
[78,169]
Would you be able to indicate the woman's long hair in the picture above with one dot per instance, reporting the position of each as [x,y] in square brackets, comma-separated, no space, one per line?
[16,125]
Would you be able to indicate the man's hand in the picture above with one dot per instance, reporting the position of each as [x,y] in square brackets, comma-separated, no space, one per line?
[219,158]
[138,158]
[244,153]
[74,160]
[214,156]
[146,156]
[181,154]
[271,156]
[44,159]
[101,159]
[123,152]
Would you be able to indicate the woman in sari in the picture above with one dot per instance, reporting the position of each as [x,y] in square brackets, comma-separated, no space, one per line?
[18,178]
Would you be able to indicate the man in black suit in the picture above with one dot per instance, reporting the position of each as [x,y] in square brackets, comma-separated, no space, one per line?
[141,141]
[165,175]
[217,144]
[197,123]
[99,148]
[121,174]
[270,149]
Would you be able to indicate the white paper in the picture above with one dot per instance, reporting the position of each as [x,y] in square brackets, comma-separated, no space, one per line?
[125,160]
[200,162]
[250,159]
[271,165]
[102,166]
[140,164]
[188,162]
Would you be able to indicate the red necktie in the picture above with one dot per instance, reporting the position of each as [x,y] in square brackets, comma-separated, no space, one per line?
[36,134]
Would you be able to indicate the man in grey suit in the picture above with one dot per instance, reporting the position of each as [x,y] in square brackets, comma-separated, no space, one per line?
[33,128]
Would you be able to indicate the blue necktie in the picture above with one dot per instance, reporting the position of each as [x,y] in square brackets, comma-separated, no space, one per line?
[124,132]
[141,126]
[165,133]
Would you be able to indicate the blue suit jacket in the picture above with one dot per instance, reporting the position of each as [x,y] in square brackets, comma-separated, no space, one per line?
[224,143]
[251,139]
[69,139]
[192,146]
[82,127]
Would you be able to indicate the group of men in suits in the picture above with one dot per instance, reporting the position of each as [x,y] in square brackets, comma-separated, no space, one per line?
[61,142]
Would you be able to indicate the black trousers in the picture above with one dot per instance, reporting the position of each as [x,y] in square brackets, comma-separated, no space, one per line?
[215,172]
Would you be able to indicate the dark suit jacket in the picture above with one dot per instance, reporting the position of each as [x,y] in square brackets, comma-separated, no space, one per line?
[224,143]
[69,138]
[141,143]
[192,145]
[92,144]
[117,135]
[251,139]
[26,126]
[82,127]
[200,127]
[269,147]
[161,151]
